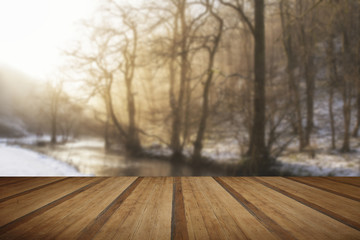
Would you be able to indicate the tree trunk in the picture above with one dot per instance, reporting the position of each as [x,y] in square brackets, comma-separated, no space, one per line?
[132,145]
[177,124]
[357,125]
[175,132]
[297,105]
[108,99]
[331,115]
[259,158]
[293,87]
[54,114]
[198,144]
[310,87]
[132,141]
[187,113]
[357,57]
[346,141]
[307,58]
[346,92]
[53,130]
[202,125]
[106,133]
[333,79]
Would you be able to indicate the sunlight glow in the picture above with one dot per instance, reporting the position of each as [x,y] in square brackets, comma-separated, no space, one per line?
[33,33]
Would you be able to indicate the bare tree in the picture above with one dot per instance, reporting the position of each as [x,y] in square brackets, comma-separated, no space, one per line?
[181,43]
[294,94]
[332,64]
[333,81]
[257,149]
[129,52]
[306,26]
[349,17]
[55,91]
[212,50]
[357,125]
[114,59]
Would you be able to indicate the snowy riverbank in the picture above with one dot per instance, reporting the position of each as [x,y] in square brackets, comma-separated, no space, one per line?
[89,157]
[17,161]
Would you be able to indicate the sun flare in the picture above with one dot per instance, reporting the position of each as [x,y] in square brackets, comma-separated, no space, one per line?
[34,32]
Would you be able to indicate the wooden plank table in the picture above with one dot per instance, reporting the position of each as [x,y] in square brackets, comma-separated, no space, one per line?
[180,208]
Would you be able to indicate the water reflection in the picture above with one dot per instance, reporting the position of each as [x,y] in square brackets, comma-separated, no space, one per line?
[89,157]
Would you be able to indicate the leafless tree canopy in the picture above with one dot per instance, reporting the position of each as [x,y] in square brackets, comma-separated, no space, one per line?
[188,75]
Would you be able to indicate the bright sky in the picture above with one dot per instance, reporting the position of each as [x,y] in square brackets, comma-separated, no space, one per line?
[33,32]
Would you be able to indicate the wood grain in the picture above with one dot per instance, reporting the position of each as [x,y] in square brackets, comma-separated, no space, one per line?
[178,221]
[180,208]
[354,181]
[18,207]
[137,214]
[323,201]
[17,189]
[11,180]
[212,213]
[68,219]
[340,189]
[303,222]
[97,223]
[264,219]
[38,211]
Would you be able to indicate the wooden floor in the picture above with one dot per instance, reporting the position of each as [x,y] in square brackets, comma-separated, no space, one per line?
[180,208]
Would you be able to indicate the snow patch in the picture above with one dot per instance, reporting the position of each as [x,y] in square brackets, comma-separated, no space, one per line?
[322,165]
[16,161]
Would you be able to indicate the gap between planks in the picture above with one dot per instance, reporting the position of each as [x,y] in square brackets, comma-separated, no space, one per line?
[300,180]
[92,229]
[27,217]
[31,190]
[316,207]
[265,220]
[178,218]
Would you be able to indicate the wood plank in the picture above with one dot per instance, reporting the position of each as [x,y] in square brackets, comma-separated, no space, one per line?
[340,189]
[11,180]
[178,220]
[92,229]
[303,222]
[163,208]
[20,206]
[212,213]
[265,220]
[122,220]
[156,222]
[20,188]
[136,216]
[26,218]
[66,220]
[354,181]
[342,209]
[196,223]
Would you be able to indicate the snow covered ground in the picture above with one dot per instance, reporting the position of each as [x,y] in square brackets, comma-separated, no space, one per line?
[89,157]
[325,163]
[16,161]
[300,164]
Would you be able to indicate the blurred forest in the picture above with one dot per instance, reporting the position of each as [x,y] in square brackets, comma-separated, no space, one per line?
[242,81]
